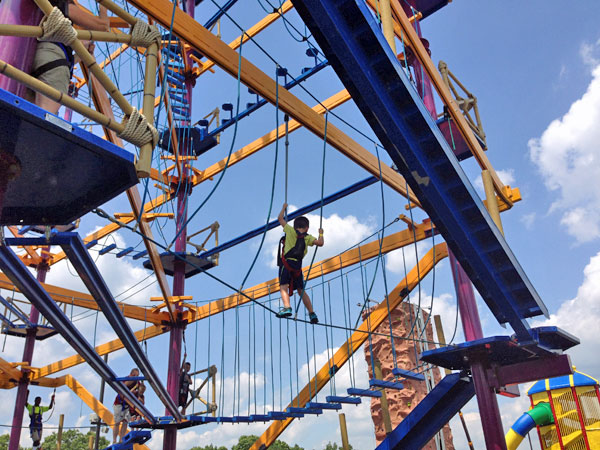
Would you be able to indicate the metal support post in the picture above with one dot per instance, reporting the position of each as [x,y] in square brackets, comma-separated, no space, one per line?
[61,422]
[101,399]
[490,199]
[387,23]
[15,434]
[176,334]
[385,411]
[344,431]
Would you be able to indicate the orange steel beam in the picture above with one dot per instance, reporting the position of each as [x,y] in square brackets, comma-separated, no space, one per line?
[218,51]
[32,257]
[260,143]
[9,370]
[411,38]
[102,104]
[358,338]
[83,300]
[252,31]
[348,258]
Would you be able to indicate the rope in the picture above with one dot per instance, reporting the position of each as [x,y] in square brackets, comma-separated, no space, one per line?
[138,131]
[57,28]
[144,35]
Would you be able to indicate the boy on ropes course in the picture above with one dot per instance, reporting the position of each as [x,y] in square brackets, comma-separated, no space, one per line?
[35,415]
[292,249]
[185,381]
[53,61]
[121,408]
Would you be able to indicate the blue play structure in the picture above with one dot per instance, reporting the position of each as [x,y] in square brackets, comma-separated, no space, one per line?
[46,192]
[130,439]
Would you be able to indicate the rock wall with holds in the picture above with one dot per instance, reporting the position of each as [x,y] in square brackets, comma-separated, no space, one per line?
[401,402]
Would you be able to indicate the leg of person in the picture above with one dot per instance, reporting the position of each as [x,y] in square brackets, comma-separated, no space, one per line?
[118,418]
[284,286]
[306,300]
[57,77]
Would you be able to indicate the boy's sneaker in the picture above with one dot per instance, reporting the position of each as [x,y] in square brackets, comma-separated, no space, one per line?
[313,318]
[284,312]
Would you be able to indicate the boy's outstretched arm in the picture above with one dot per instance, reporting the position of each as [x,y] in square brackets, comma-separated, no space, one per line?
[281,216]
[319,242]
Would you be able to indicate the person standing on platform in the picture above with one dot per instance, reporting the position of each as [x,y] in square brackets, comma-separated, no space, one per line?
[36,423]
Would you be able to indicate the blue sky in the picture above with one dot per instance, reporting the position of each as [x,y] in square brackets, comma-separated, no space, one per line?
[535,69]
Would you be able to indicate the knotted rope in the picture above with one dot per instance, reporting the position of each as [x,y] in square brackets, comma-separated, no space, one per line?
[138,131]
[144,35]
[57,28]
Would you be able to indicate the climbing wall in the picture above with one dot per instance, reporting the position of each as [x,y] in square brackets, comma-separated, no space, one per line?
[402,402]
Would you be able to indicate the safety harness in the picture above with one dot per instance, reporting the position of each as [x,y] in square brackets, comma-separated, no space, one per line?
[296,252]
[69,59]
[35,418]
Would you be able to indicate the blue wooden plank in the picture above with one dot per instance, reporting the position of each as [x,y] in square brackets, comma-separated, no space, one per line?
[91,243]
[140,254]
[124,252]
[408,374]
[364,392]
[107,249]
[357,50]
[316,405]
[386,384]
[343,399]
[294,409]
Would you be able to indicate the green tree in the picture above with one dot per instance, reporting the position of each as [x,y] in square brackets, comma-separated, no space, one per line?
[245,442]
[334,446]
[73,440]
[4,442]
[209,447]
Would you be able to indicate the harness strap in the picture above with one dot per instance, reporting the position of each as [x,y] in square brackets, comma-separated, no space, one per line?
[49,66]
[293,272]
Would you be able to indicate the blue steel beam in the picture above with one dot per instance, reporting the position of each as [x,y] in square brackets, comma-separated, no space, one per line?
[431,414]
[359,54]
[299,212]
[222,10]
[15,311]
[83,263]
[22,278]
[263,102]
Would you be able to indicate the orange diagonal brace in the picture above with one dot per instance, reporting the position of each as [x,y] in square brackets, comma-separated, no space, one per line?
[84,300]
[358,338]
[218,51]
[354,256]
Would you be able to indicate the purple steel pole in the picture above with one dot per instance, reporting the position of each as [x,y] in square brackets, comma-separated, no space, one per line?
[176,334]
[17,51]
[15,434]
[487,402]
[489,411]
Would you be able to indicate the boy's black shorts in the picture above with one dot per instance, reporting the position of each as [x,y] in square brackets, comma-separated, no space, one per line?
[285,276]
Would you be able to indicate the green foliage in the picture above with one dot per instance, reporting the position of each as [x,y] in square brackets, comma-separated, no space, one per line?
[245,442]
[4,442]
[73,440]
[333,446]
[209,447]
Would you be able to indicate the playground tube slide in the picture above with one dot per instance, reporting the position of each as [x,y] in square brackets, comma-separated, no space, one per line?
[540,415]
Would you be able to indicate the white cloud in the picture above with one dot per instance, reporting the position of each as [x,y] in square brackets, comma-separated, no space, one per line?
[590,53]
[580,316]
[340,234]
[567,158]
[528,220]
[406,258]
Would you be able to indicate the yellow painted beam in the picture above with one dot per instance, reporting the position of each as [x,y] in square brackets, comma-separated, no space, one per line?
[83,300]
[252,31]
[85,395]
[218,51]
[348,258]
[9,370]
[358,338]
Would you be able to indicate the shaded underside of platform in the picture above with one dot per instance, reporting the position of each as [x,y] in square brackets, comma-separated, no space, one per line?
[65,171]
